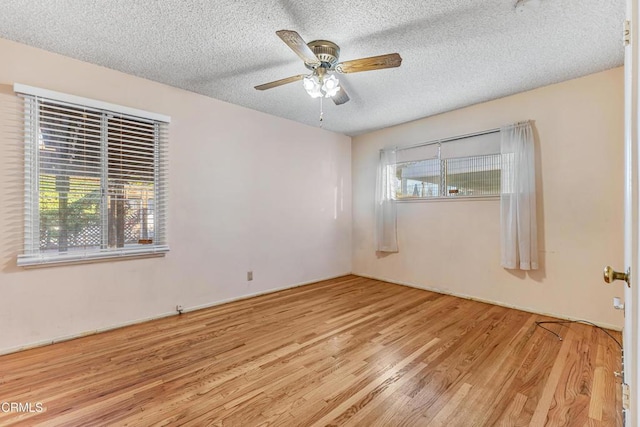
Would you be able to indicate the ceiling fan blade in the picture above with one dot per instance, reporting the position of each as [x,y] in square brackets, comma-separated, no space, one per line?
[341,97]
[390,60]
[280,82]
[299,46]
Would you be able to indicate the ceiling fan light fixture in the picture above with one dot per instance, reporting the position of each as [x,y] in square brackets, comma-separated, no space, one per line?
[331,86]
[312,85]
[321,86]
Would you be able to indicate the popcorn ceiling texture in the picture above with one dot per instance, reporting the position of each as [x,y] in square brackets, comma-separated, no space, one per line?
[455,53]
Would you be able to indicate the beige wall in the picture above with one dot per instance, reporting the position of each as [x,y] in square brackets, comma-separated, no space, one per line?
[251,191]
[248,191]
[453,246]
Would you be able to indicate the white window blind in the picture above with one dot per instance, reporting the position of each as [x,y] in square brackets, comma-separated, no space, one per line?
[95,180]
[468,167]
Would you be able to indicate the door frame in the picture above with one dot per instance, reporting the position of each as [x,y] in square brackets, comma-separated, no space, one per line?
[631,200]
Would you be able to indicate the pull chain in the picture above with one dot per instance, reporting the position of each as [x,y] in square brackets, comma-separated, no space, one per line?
[321,111]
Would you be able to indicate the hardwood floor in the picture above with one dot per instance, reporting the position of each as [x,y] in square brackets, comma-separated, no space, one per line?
[349,351]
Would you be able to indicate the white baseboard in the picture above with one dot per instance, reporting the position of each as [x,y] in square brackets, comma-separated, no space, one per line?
[83,334]
[488,301]
[160,316]
[295,285]
[257,294]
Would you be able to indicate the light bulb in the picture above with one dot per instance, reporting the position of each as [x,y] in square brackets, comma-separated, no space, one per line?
[331,86]
[308,83]
[311,84]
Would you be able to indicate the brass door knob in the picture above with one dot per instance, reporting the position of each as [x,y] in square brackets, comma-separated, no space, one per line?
[610,275]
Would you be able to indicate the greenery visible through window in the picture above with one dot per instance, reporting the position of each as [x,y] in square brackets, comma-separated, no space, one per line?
[99,177]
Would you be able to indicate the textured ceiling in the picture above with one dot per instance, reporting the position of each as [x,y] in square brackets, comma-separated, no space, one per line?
[455,52]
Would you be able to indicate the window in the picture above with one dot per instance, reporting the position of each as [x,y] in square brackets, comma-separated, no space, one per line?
[468,167]
[95,179]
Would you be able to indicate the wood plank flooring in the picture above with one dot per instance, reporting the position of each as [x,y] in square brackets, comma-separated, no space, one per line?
[348,351]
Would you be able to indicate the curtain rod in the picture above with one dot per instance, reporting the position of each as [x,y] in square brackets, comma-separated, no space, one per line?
[449,139]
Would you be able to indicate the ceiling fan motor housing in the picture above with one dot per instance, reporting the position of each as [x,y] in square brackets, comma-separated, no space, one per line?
[327,52]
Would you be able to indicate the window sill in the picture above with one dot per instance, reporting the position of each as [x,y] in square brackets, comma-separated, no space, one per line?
[40,260]
[445,199]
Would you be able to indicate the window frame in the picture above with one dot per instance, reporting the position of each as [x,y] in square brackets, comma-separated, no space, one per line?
[442,176]
[33,255]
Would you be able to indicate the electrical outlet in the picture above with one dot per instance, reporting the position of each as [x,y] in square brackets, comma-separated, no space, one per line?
[617,304]
[249,276]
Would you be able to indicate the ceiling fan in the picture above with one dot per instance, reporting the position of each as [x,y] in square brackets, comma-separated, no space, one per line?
[321,57]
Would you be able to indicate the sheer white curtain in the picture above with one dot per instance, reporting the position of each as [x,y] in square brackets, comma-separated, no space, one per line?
[386,231]
[518,227]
